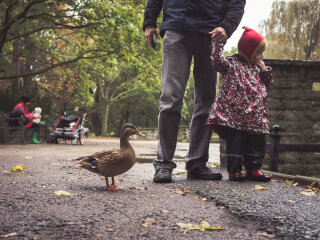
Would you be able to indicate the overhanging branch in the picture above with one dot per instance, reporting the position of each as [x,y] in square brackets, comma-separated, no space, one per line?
[46,69]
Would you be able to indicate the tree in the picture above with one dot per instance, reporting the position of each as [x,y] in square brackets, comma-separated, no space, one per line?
[293,30]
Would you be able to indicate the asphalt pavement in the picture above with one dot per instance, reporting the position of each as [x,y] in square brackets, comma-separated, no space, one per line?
[31,209]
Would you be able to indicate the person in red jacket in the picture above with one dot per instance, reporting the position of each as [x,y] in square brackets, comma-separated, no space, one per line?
[240,112]
[21,111]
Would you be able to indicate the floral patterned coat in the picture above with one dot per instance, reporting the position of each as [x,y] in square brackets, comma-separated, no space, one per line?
[242,100]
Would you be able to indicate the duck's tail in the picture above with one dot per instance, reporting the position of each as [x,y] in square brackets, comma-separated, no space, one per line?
[86,162]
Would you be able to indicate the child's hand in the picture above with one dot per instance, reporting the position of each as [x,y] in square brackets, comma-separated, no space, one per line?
[261,65]
[219,34]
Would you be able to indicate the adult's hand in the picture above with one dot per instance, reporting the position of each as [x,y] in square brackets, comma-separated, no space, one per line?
[149,32]
[219,34]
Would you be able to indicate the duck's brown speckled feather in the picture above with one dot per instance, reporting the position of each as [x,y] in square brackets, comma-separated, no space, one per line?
[110,163]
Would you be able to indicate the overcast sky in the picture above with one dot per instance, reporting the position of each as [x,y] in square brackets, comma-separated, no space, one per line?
[255,11]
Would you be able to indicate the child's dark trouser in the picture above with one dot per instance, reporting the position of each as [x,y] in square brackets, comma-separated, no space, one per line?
[244,145]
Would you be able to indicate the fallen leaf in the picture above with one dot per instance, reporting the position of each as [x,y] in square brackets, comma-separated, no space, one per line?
[314,187]
[18,168]
[288,182]
[109,230]
[99,235]
[264,234]
[258,187]
[183,192]
[9,235]
[295,184]
[138,188]
[149,221]
[205,226]
[308,192]
[4,193]
[28,157]
[63,193]
[5,171]
[178,171]
[215,181]
[151,195]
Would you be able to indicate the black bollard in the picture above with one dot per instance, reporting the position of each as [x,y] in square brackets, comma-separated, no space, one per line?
[274,148]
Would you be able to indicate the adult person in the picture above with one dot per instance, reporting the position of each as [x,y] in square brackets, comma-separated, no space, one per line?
[187,29]
[21,111]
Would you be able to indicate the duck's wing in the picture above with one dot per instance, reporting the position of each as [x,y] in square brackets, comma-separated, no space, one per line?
[111,156]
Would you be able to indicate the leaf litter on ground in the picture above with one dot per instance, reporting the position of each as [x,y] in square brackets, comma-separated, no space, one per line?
[308,192]
[18,168]
[205,226]
[64,193]
[9,235]
[149,221]
[183,191]
[258,187]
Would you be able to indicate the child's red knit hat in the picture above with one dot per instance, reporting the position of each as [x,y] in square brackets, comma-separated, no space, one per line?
[250,43]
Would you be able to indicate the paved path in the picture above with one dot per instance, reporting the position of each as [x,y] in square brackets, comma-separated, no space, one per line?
[142,210]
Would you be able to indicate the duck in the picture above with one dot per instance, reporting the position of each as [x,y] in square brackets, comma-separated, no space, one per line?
[112,163]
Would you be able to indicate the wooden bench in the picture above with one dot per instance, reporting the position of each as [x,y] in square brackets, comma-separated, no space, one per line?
[8,129]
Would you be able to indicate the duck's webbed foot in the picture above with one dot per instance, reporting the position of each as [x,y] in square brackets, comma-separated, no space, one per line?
[113,186]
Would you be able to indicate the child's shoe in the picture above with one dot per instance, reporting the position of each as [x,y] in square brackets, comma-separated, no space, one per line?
[239,176]
[256,175]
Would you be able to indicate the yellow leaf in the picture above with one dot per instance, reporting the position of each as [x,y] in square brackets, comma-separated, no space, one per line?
[18,168]
[288,182]
[258,187]
[9,235]
[205,226]
[63,193]
[308,192]
[178,171]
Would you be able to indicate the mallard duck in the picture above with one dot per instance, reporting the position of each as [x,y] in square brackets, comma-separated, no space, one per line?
[114,162]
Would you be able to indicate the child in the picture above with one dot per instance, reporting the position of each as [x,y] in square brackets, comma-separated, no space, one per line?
[36,113]
[240,112]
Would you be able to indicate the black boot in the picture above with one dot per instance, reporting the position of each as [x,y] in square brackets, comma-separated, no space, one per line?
[162,175]
[203,173]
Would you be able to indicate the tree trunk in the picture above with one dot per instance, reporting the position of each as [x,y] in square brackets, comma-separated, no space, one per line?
[105,111]
[16,52]
[29,64]
[104,123]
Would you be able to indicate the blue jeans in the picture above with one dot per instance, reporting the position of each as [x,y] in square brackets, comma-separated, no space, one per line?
[178,50]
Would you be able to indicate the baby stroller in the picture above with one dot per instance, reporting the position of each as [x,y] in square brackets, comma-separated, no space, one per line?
[70,127]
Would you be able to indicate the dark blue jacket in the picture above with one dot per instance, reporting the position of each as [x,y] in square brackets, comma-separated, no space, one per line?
[195,15]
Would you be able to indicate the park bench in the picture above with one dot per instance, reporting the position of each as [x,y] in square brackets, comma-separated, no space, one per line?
[10,131]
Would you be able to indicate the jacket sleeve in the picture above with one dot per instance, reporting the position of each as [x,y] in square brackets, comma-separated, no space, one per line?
[233,16]
[152,12]
[24,112]
[218,61]
[266,77]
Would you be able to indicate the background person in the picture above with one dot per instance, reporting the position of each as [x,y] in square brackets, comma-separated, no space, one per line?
[21,111]
[186,30]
